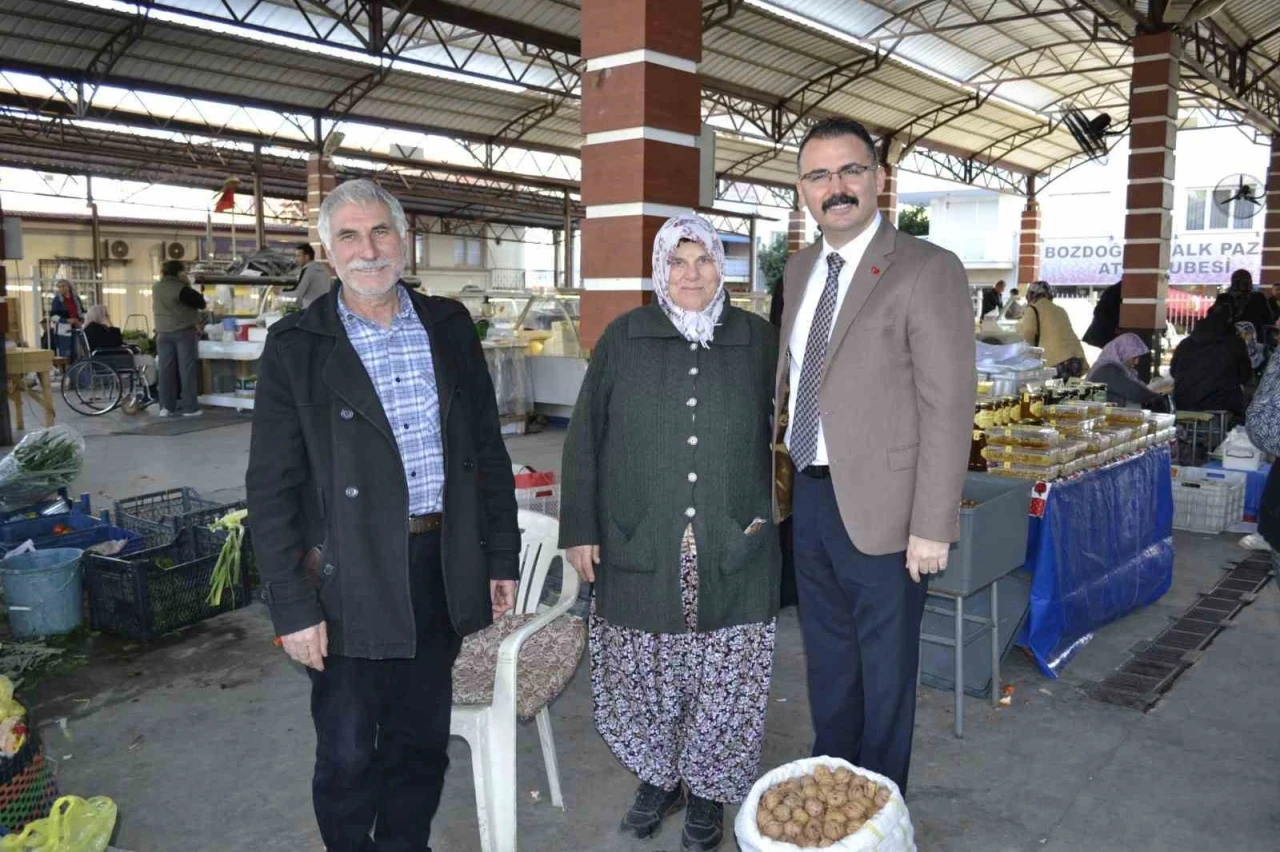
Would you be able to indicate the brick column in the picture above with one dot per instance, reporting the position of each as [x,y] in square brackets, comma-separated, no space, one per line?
[641,114]
[320,182]
[1271,236]
[1029,245]
[797,231]
[887,201]
[1148,225]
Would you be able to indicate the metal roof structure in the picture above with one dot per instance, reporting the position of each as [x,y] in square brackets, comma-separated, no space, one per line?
[971,90]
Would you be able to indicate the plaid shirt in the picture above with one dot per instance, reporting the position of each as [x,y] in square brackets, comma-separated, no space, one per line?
[398,361]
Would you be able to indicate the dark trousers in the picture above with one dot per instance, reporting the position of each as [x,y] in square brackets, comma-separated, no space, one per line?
[382,728]
[177,362]
[860,617]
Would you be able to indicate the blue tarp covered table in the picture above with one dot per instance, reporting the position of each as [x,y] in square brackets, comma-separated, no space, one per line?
[1100,546]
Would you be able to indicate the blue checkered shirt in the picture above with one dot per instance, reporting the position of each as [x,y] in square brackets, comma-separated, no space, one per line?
[398,361]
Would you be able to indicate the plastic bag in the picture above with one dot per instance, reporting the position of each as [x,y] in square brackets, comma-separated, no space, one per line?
[889,831]
[1238,452]
[74,825]
[43,462]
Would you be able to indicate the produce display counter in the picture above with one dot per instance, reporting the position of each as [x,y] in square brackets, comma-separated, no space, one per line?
[226,369]
[1099,547]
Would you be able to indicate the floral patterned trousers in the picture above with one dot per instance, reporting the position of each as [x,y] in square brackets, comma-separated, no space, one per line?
[689,706]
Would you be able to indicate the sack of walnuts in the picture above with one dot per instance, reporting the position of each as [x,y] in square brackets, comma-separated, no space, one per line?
[824,803]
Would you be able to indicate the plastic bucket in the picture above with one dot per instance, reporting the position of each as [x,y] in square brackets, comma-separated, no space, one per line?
[43,591]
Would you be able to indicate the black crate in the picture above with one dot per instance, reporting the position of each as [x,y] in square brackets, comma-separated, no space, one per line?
[135,597]
[159,507]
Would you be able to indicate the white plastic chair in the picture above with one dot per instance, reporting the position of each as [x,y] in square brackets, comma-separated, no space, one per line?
[490,729]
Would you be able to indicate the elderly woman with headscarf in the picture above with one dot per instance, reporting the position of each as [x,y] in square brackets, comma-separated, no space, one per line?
[665,507]
[1117,368]
[99,333]
[1046,324]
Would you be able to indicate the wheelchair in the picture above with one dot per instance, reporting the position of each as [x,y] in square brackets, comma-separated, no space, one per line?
[102,380]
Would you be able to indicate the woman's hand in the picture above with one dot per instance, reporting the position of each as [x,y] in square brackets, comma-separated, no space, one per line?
[584,558]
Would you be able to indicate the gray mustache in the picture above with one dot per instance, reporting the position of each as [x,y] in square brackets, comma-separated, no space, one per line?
[368,265]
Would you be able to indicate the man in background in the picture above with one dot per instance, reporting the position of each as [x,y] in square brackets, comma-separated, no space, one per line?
[993,299]
[176,307]
[313,277]
[1016,307]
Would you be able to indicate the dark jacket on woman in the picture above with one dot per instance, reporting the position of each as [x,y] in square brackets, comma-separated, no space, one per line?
[1209,372]
[1106,318]
[636,461]
[101,336]
[320,436]
[59,307]
[1123,390]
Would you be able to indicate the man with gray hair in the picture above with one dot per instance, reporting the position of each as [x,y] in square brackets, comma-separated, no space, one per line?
[374,416]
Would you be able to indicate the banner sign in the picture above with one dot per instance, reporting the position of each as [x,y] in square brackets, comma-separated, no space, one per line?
[1209,258]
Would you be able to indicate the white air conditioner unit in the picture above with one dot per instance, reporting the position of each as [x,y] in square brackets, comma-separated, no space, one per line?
[115,250]
[173,250]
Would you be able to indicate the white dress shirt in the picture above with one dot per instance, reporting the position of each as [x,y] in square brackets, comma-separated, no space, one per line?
[852,253]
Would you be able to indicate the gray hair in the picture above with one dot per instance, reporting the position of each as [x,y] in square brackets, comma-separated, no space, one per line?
[362,192]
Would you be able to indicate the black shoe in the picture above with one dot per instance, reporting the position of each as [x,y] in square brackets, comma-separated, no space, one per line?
[651,807]
[703,825]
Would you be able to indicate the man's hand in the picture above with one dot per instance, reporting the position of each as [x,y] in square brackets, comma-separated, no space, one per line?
[584,558]
[309,646]
[503,595]
[925,556]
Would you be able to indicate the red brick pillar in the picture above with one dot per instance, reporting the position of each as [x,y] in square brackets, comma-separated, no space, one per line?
[320,182]
[641,116]
[1029,244]
[797,231]
[1148,225]
[1271,236]
[887,201]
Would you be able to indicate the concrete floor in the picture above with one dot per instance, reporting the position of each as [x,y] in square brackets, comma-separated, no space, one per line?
[205,741]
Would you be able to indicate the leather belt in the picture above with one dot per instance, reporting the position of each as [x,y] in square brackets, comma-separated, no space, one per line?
[419,524]
[817,471]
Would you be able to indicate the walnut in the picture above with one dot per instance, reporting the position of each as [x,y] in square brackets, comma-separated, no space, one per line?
[836,797]
[792,831]
[815,807]
[833,830]
[882,797]
[782,813]
[842,775]
[800,815]
[771,800]
[812,833]
[823,775]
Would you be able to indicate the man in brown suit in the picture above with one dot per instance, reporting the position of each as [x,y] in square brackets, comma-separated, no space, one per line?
[876,382]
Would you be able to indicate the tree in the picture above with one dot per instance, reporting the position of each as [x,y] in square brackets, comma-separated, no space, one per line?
[914,221]
[773,261]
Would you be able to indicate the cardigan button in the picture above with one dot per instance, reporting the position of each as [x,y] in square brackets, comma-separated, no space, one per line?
[693,440]
[347,414]
[690,512]
[468,465]
[328,570]
[352,492]
[693,477]
[693,371]
[692,401]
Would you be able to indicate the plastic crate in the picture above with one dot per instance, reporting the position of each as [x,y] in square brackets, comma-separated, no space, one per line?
[85,531]
[1207,501]
[160,508]
[993,535]
[57,506]
[136,598]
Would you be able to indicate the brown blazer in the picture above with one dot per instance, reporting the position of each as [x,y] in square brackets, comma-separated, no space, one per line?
[897,390]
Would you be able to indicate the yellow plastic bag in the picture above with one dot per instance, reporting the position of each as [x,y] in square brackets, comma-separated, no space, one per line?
[74,825]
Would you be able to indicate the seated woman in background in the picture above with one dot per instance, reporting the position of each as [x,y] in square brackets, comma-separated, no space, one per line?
[101,334]
[1117,369]
[99,331]
[1211,366]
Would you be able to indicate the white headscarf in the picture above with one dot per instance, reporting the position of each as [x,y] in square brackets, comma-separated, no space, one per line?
[695,326]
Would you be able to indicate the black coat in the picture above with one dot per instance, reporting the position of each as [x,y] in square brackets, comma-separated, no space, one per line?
[1209,373]
[991,301]
[1106,318]
[324,469]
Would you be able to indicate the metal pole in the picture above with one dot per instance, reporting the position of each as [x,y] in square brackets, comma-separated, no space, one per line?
[568,243]
[6,429]
[96,231]
[555,254]
[754,257]
[259,214]
[413,243]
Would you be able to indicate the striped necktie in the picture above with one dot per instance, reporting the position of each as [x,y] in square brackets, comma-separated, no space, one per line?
[804,429]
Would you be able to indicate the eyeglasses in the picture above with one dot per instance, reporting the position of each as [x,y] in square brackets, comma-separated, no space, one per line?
[822,177]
